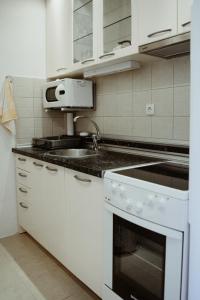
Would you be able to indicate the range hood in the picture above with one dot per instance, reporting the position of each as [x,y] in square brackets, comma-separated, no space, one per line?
[168,48]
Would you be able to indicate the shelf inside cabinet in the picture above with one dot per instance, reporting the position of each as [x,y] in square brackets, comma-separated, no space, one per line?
[81,4]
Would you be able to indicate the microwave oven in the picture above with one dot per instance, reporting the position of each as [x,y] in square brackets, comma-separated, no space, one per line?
[69,94]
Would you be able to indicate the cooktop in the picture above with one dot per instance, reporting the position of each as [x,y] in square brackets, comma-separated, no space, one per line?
[167,174]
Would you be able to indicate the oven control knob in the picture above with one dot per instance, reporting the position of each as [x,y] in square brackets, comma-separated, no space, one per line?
[139,207]
[150,201]
[129,205]
[122,191]
[114,187]
[161,203]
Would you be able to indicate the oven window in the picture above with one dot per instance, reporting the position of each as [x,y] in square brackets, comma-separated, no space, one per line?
[50,94]
[138,261]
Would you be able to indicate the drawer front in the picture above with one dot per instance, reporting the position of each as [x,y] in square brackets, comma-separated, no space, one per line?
[23,162]
[23,177]
[23,203]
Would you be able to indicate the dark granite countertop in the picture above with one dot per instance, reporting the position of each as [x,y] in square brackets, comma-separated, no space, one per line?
[93,165]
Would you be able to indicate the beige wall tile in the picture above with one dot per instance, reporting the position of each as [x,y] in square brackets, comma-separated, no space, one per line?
[111,125]
[125,125]
[125,81]
[182,101]
[142,78]
[58,126]
[181,128]
[163,101]
[110,105]
[142,127]
[182,70]
[162,127]
[162,74]
[140,99]
[25,128]
[124,104]
[24,107]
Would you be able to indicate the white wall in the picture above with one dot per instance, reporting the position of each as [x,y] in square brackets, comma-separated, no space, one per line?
[22,53]
[194,272]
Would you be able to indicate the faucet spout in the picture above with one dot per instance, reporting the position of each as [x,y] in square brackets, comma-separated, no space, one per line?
[98,135]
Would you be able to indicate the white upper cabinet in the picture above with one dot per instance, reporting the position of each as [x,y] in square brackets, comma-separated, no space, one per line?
[156,19]
[59,35]
[116,29]
[184,15]
[84,37]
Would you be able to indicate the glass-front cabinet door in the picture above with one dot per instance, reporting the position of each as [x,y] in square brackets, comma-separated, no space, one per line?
[84,32]
[117,29]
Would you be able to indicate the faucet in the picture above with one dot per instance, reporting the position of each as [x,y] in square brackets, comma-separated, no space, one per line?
[95,137]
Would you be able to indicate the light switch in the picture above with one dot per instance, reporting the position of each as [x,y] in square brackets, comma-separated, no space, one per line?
[150,109]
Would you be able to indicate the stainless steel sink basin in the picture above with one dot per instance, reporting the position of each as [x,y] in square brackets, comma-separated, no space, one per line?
[72,153]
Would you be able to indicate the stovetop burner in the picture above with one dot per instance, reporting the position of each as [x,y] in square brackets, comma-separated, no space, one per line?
[167,174]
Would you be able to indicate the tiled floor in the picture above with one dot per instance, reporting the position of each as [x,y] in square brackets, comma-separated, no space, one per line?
[52,280]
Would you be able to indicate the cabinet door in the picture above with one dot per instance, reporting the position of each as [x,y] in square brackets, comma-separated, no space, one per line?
[85,257]
[184,15]
[84,33]
[49,208]
[117,29]
[156,19]
[59,36]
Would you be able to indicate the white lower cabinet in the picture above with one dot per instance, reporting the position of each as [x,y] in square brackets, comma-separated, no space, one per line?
[63,210]
[85,253]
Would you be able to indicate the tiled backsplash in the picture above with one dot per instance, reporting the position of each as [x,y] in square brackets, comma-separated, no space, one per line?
[122,98]
[32,120]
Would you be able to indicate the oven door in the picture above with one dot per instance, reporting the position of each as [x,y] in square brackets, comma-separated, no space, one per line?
[143,261]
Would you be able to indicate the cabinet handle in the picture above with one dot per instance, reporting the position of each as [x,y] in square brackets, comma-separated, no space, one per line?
[82,179]
[22,175]
[23,190]
[107,54]
[61,69]
[186,24]
[159,31]
[38,165]
[23,205]
[87,60]
[51,169]
[21,159]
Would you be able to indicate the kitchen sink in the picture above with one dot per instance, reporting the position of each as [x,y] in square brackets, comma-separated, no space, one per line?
[72,153]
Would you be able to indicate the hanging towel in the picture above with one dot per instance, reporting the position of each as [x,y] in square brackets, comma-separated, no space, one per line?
[8,113]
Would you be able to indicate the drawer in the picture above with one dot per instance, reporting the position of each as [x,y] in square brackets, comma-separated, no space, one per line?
[23,177]
[23,162]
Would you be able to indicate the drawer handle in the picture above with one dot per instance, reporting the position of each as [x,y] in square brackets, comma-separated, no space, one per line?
[87,60]
[61,69]
[22,175]
[38,165]
[186,24]
[23,205]
[159,31]
[82,179]
[51,169]
[107,54]
[23,190]
[21,159]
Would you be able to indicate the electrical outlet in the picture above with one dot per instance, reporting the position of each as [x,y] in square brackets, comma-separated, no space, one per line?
[150,109]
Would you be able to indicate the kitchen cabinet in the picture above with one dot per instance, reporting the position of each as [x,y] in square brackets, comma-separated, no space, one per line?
[49,208]
[58,37]
[63,210]
[117,31]
[84,33]
[85,253]
[156,19]
[184,15]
